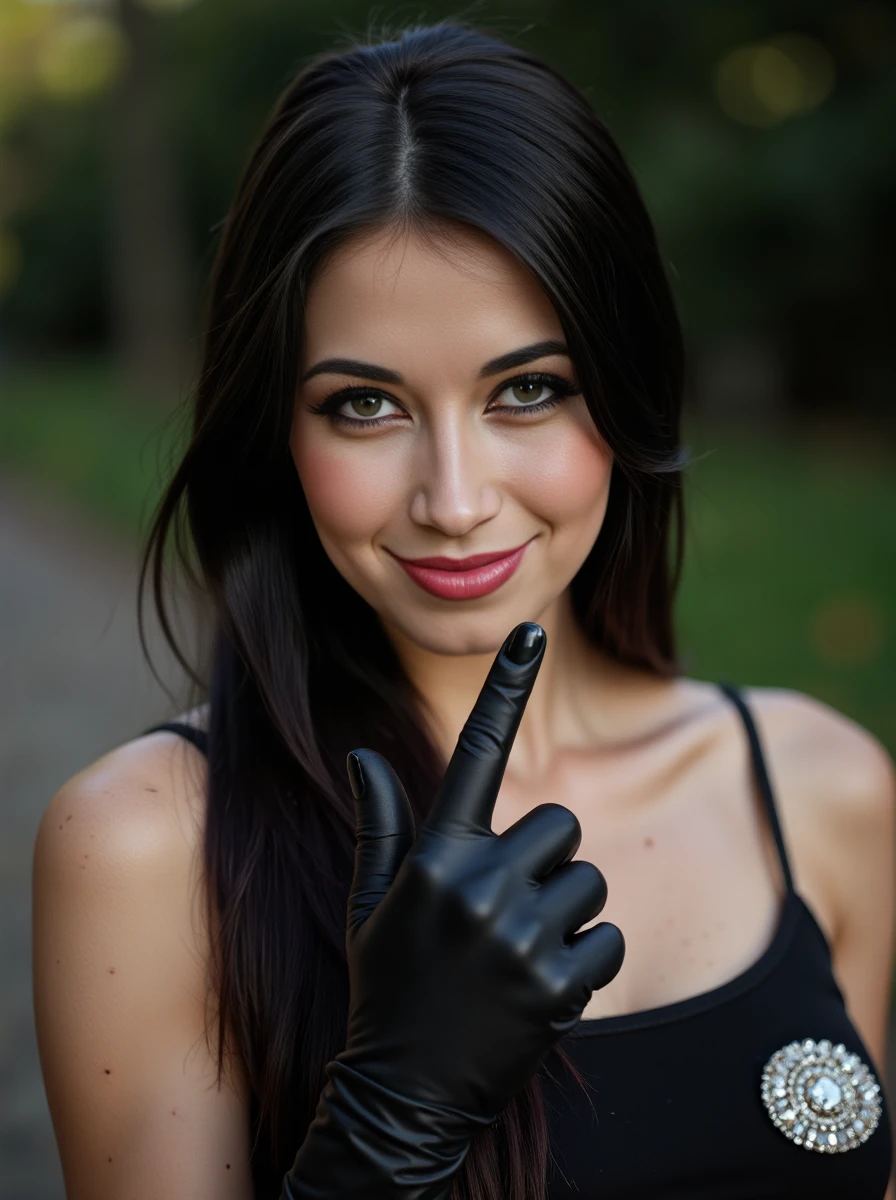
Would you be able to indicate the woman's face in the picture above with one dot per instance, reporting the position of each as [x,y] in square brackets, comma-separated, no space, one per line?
[438,448]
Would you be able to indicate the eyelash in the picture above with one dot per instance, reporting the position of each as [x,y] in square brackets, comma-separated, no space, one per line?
[328,407]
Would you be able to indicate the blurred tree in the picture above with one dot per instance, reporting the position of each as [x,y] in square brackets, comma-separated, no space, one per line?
[150,249]
[102,240]
[760,131]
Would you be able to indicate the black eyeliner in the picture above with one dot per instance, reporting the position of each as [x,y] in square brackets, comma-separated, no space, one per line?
[331,403]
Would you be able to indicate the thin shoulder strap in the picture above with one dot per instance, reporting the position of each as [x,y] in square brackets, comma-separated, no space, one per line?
[765,787]
[198,737]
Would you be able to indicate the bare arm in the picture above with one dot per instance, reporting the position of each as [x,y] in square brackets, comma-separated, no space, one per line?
[863,943]
[863,881]
[120,953]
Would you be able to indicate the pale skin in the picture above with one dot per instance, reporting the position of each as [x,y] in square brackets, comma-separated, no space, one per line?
[657,772]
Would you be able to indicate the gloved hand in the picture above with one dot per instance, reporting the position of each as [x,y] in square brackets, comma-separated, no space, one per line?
[464,962]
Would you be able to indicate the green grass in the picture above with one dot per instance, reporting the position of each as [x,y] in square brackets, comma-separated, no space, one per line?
[72,427]
[790,576]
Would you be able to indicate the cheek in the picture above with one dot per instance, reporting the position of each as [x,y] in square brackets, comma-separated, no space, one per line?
[350,494]
[565,478]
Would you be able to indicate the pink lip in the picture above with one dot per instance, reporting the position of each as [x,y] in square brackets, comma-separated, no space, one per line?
[464,578]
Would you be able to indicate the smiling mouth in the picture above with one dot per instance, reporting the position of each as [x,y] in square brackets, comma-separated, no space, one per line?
[463,578]
[441,563]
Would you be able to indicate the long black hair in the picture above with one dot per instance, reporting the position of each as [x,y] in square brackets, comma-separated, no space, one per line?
[431,129]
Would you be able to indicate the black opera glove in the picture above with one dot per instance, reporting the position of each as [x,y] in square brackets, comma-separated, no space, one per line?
[464,962]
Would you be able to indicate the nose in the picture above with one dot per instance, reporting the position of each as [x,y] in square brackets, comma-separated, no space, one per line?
[457,489]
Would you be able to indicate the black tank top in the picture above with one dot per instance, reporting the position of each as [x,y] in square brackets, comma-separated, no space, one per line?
[727,1095]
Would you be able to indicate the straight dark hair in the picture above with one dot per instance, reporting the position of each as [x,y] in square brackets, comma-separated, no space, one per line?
[428,130]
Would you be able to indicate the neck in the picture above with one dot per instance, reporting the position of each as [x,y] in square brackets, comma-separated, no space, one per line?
[572,702]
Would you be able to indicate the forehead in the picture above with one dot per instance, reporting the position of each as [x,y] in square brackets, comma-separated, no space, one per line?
[384,294]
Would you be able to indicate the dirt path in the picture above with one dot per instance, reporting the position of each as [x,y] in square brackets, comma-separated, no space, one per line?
[73,685]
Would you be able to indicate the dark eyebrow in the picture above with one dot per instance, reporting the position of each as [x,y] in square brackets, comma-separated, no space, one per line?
[504,362]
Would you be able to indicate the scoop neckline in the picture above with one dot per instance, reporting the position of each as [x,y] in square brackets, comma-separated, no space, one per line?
[791,907]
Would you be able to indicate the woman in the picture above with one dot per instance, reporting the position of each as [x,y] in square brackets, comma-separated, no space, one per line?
[440,336]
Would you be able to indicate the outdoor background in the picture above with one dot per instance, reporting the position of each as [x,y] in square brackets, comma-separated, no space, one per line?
[762,135]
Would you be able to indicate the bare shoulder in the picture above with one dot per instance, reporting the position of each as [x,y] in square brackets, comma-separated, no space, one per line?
[823,765]
[835,789]
[823,757]
[123,1000]
[145,796]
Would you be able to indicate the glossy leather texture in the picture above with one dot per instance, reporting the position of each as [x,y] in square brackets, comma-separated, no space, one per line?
[465,966]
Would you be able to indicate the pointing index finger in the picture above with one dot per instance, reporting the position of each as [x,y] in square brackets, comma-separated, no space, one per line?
[466,799]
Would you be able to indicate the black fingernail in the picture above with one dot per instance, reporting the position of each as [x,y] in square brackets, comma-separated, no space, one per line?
[525,643]
[355,777]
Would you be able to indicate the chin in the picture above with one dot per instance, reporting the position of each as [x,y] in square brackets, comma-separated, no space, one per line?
[467,633]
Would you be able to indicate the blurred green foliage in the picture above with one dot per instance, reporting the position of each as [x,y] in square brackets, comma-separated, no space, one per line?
[790,568]
[69,426]
[760,131]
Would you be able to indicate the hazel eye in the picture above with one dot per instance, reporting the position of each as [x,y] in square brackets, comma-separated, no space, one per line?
[529,391]
[367,405]
[533,393]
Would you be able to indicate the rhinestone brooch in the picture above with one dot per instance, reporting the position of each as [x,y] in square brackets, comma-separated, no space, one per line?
[821,1096]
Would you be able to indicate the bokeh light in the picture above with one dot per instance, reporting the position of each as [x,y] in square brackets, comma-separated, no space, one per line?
[81,57]
[848,630]
[21,30]
[761,84]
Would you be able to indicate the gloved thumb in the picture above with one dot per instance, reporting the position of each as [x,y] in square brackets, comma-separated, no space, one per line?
[385,831]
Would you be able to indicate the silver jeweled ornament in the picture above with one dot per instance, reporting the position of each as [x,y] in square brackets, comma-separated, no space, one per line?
[820,1096]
